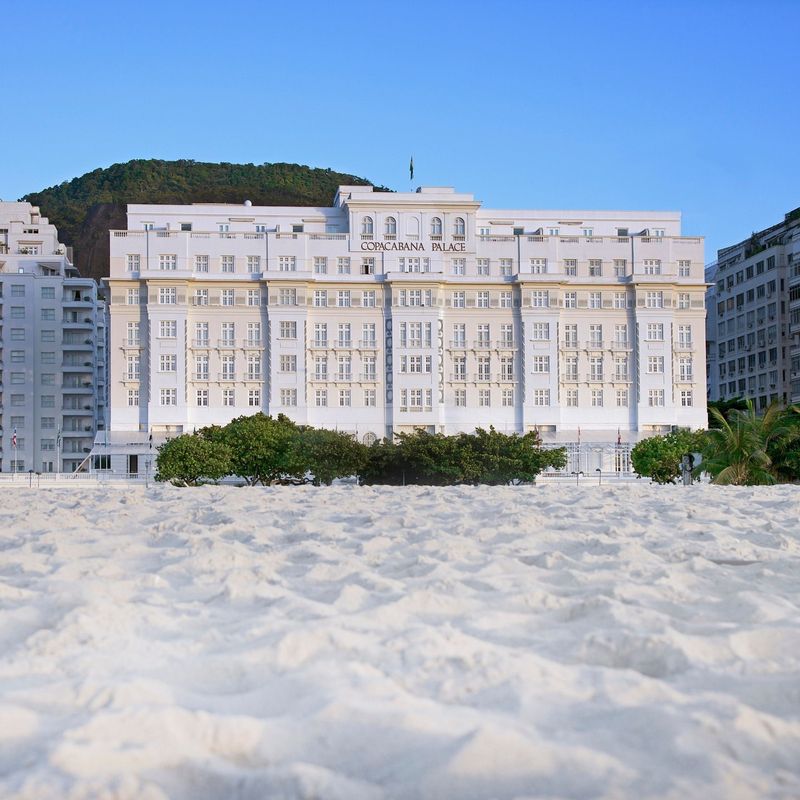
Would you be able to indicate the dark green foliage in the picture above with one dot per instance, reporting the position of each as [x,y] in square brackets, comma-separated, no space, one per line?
[86,208]
[327,455]
[485,457]
[748,448]
[724,407]
[190,459]
[659,457]
[262,448]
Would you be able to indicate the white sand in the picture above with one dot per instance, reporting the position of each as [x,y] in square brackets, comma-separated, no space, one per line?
[272,644]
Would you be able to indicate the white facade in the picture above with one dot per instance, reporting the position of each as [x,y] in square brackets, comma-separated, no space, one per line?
[754,317]
[52,349]
[391,311]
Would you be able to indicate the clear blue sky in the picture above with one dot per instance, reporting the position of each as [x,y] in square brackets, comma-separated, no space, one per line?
[619,105]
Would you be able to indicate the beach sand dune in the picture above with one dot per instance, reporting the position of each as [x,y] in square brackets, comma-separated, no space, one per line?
[375,643]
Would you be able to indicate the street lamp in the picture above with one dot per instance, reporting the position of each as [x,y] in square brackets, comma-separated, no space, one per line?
[577,476]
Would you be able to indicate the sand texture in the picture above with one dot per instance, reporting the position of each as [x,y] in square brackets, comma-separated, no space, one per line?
[400,643]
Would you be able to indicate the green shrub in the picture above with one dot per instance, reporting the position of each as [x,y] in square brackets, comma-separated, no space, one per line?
[659,457]
[190,460]
[327,454]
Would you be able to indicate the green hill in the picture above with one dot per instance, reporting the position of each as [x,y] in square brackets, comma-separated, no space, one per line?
[86,208]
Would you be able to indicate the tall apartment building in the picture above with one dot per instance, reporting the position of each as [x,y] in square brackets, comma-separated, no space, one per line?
[392,311]
[52,349]
[753,325]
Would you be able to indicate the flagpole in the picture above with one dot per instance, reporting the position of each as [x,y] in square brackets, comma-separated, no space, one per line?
[14,464]
[58,450]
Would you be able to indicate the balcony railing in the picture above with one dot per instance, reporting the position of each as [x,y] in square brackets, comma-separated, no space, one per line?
[594,344]
[482,377]
[319,344]
[368,344]
[226,343]
[505,344]
[458,377]
[369,377]
[125,343]
[458,344]
[226,376]
[482,344]
[202,343]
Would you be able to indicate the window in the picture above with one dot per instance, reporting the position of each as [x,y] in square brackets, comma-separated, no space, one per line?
[320,334]
[506,368]
[482,300]
[506,300]
[621,368]
[18,334]
[288,397]
[343,266]
[459,228]
[222,227]
[571,368]
[367,266]
[228,397]
[167,296]
[17,377]
[655,331]
[132,262]
[459,299]
[201,297]
[538,266]
[345,398]
[370,398]
[655,398]
[685,335]
[460,398]
[654,300]
[595,300]
[459,335]
[167,329]
[541,363]
[368,337]
[652,266]
[201,263]
[254,398]
[132,362]
[48,314]
[48,357]
[436,228]
[541,397]
[541,331]
[570,335]
[595,267]
[570,266]
[685,369]
[321,398]
[370,366]
[253,297]
[288,363]
[288,330]
[683,300]
[540,298]
[368,298]
[254,333]
[133,297]
[587,231]
[595,335]
[622,398]
[226,297]
[287,264]
[17,399]
[506,267]
[572,398]
[201,334]
[168,261]
[484,335]
[685,269]
[201,368]
[228,368]
[253,265]
[201,397]
[17,312]
[620,267]
[570,299]
[169,397]
[343,298]
[619,300]
[287,297]
[228,263]
[484,398]
[367,227]
[168,362]
[344,338]
[133,398]
[596,368]
[320,265]
[390,226]
[596,398]
[482,265]
[458,266]
[321,368]
[18,290]
[655,364]
[507,397]
[320,298]
[687,398]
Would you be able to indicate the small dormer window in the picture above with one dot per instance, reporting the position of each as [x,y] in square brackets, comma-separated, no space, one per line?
[459,227]
[436,226]
[297,228]
[367,227]
[391,226]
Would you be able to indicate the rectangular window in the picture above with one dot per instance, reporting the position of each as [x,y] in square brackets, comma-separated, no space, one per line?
[506,300]
[288,364]
[655,364]
[595,268]
[654,300]
[320,298]
[287,264]
[254,398]
[370,398]
[683,300]
[201,297]
[287,297]
[168,261]
[619,300]
[507,397]
[201,263]
[506,267]
[570,299]
[133,297]
[482,300]
[570,335]
[459,300]
[368,298]
[288,330]
[458,266]
[253,266]
[652,266]
[460,398]
[201,334]
[541,363]
[538,266]
[133,397]
[541,331]
[656,397]
[484,398]
[202,397]
[570,266]
[620,267]
[343,298]
[169,397]
[345,398]
[541,397]
[133,261]
[254,334]
[540,298]
[321,398]
[320,265]
[228,398]
[655,331]
[288,397]
[167,296]
[482,265]
[253,297]
[622,398]
[687,398]
[596,398]
[685,269]
[343,266]
[595,300]
[168,362]
[168,329]
[572,398]
[228,263]
[367,266]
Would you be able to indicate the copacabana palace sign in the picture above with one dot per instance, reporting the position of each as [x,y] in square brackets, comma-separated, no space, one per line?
[436,247]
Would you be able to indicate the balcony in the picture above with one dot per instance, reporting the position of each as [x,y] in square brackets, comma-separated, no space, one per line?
[226,376]
[344,377]
[318,344]
[226,344]
[201,344]
[367,344]
[505,344]
[482,344]
[482,377]
[570,344]
[595,377]
[131,344]
[594,344]
[200,376]
[684,346]
[369,377]
[458,344]
[253,377]
[458,377]
[343,344]
[84,367]
[252,344]
[620,344]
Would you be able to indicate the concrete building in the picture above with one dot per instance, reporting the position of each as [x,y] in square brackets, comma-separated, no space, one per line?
[391,311]
[753,324]
[52,349]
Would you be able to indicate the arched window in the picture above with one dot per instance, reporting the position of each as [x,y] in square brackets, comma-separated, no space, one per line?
[391,226]
[366,226]
[458,227]
[369,438]
[436,227]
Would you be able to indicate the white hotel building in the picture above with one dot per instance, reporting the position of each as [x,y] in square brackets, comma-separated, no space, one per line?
[393,311]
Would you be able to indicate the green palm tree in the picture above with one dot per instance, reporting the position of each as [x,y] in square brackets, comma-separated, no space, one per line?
[746,448]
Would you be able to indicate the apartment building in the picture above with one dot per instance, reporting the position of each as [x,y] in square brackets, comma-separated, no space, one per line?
[753,325]
[52,349]
[392,311]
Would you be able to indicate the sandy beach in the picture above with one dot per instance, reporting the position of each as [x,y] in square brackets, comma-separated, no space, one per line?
[400,643]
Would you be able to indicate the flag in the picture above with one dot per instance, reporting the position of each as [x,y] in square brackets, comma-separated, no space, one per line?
[14,438]
[579,435]
[619,437]
[58,437]
[411,169]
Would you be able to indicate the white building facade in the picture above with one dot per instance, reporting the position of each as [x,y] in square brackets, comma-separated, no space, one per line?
[393,311]
[52,349]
